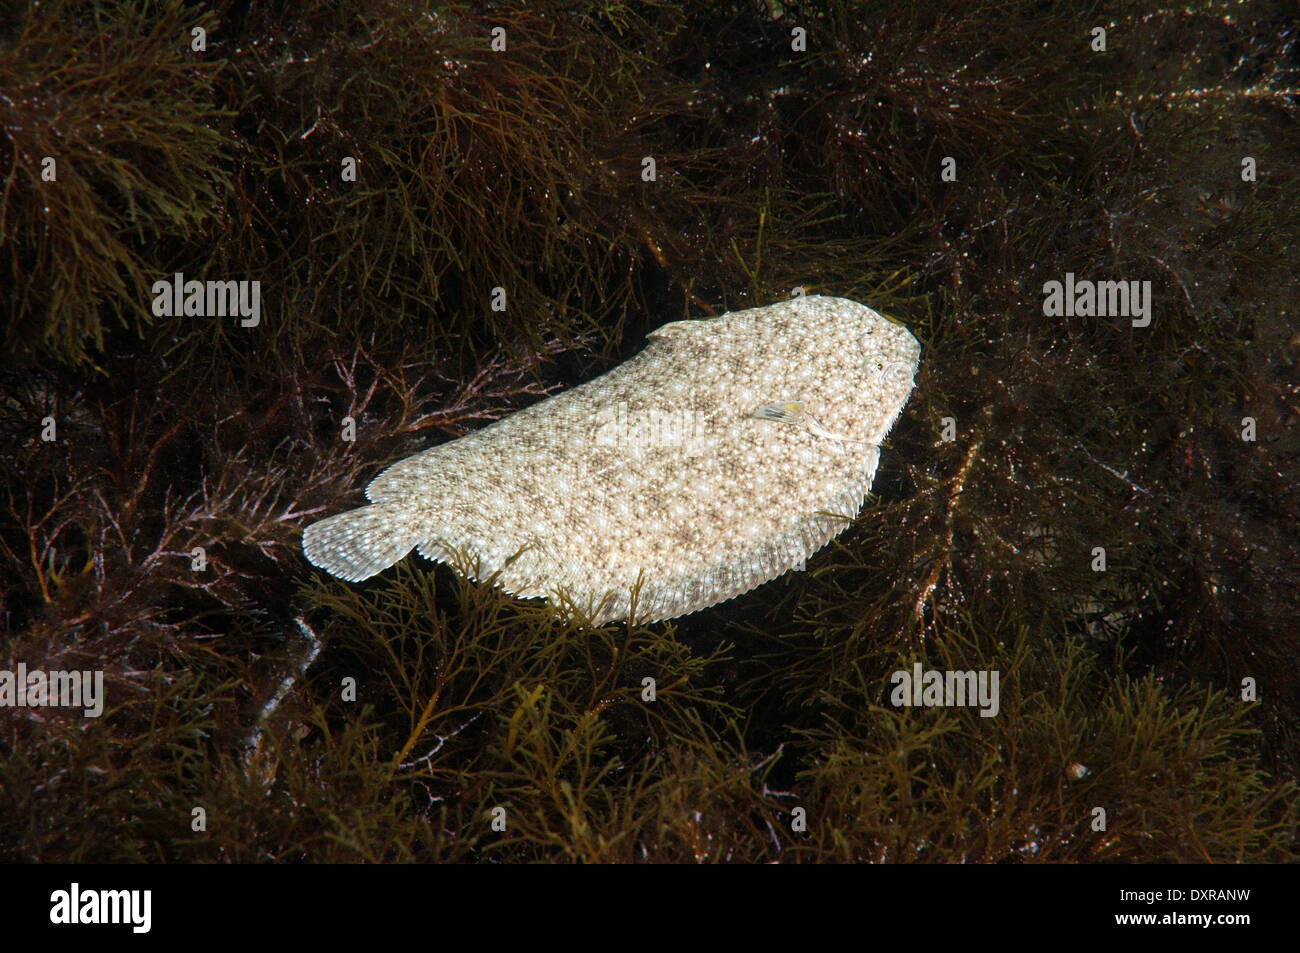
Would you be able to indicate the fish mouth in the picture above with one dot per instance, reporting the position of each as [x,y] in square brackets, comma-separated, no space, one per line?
[899,362]
[897,372]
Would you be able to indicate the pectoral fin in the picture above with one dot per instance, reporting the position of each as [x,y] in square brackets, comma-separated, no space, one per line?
[783,412]
[794,412]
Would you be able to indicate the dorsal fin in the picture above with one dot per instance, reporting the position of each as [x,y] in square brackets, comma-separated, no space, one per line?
[675,328]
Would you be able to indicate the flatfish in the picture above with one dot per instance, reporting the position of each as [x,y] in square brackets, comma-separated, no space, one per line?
[725,453]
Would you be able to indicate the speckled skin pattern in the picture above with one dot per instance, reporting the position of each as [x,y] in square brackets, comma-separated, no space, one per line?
[657,472]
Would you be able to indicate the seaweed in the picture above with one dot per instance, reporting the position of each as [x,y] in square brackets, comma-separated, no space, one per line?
[157,470]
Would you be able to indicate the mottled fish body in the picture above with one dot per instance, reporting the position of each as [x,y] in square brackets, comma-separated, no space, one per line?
[722,455]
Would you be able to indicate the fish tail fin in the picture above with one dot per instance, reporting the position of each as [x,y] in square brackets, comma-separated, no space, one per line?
[360,543]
